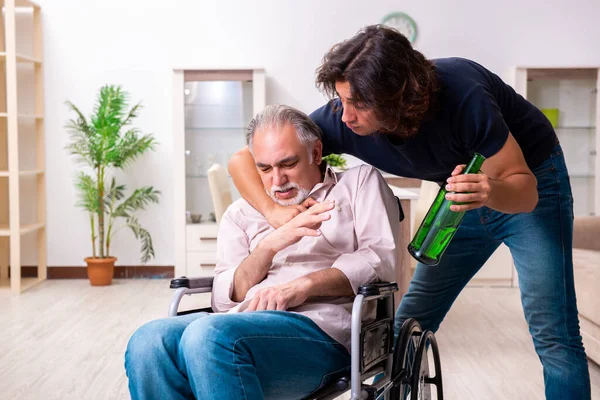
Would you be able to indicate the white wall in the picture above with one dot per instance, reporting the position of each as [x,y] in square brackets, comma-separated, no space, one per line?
[137,43]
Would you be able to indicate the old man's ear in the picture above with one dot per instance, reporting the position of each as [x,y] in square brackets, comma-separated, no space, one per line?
[318,152]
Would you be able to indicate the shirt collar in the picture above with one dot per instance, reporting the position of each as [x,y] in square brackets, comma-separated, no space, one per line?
[330,176]
[320,190]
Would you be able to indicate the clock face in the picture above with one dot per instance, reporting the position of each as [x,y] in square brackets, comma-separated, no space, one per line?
[402,23]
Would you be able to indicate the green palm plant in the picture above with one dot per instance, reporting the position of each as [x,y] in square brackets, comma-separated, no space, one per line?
[335,160]
[103,143]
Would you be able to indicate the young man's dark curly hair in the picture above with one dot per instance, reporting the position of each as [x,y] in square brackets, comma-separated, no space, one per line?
[385,74]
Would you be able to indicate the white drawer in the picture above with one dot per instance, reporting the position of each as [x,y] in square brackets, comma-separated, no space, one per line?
[201,237]
[200,264]
[208,229]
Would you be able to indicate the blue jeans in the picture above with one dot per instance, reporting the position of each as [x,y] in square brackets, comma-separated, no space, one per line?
[250,355]
[541,245]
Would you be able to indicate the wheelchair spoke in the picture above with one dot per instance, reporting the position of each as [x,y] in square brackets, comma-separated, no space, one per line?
[404,354]
[413,372]
[421,390]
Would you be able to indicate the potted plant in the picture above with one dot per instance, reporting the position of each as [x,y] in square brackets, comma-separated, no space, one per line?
[103,143]
[336,161]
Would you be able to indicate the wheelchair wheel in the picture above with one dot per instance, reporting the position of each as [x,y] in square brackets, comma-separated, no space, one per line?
[404,357]
[422,378]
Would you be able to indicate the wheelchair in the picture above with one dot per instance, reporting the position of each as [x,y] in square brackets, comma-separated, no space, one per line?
[407,369]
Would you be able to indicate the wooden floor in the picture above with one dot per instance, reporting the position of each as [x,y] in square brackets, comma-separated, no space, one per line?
[66,340]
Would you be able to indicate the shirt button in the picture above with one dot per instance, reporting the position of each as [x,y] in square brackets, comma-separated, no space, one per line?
[289,263]
[339,208]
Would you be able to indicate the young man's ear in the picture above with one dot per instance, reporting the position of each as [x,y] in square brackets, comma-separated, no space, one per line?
[318,152]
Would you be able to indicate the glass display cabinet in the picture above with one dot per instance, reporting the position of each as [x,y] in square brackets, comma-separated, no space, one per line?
[212,109]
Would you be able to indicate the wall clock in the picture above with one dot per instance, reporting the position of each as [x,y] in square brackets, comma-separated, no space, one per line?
[402,23]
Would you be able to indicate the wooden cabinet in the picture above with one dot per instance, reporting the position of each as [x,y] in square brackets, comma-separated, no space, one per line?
[201,249]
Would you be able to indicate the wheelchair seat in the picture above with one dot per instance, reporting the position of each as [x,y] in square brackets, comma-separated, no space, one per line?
[401,369]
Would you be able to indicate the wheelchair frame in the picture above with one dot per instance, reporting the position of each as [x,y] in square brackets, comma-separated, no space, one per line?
[405,365]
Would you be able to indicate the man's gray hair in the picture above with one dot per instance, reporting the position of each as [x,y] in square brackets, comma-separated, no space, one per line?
[276,116]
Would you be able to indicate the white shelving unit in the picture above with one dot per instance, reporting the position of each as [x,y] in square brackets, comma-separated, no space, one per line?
[212,108]
[574,92]
[22,163]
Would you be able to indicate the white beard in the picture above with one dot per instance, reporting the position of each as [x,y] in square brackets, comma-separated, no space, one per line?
[298,199]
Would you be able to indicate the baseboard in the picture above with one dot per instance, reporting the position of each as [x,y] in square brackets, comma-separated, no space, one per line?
[121,272]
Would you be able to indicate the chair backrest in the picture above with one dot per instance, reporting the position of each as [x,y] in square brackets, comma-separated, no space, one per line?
[219,190]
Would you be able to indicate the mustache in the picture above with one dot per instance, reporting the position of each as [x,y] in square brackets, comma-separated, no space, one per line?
[284,188]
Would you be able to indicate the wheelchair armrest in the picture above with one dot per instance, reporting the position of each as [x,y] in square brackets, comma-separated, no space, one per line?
[205,282]
[378,289]
[187,286]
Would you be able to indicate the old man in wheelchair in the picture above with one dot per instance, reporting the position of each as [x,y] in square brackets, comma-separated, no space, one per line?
[302,311]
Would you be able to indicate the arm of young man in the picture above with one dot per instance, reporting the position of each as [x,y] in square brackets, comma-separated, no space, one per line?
[374,259]
[506,183]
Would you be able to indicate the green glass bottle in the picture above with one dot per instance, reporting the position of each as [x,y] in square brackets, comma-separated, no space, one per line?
[440,223]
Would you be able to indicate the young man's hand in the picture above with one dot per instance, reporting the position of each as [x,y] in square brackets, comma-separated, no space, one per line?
[473,190]
[279,215]
[306,223]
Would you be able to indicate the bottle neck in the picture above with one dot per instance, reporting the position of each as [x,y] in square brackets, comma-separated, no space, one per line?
[475,164]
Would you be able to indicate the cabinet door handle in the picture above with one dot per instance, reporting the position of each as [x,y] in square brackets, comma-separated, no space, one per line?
[208,265]
[208,238]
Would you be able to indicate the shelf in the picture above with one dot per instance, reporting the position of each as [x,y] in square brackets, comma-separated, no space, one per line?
[26,283]
[545,73]
[22,58]
[579,128]
[25,228]
[23,116]
[582,175]
[191,176]
[217,128]
[26,4]
[234,105]
[196,176]
[23,173]
[34,172]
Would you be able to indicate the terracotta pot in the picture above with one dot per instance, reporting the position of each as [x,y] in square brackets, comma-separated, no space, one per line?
[100,270]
